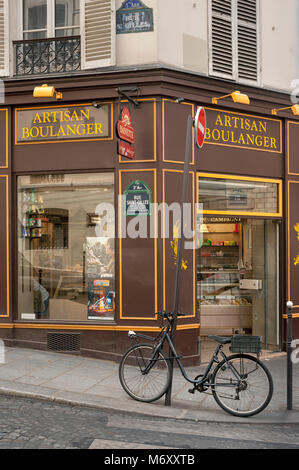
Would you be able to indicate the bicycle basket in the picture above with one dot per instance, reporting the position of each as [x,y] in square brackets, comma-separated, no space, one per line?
[246,344]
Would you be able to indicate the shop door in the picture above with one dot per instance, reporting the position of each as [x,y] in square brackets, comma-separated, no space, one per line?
[262,239]
[238,279]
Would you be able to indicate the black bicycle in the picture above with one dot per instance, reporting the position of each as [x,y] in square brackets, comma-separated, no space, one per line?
[240,383]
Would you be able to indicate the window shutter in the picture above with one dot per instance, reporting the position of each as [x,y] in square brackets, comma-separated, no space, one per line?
[97,33]
[247,40]
[221,28]
[4,41]
[234,39]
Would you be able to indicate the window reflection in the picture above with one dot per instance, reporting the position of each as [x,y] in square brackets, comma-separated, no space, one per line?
[67,17]
[233,195]
[34,19]
[65,271]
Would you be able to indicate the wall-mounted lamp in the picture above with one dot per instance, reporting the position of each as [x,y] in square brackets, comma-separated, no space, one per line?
[96,105]
[237,97]
[46,91]
[294,108]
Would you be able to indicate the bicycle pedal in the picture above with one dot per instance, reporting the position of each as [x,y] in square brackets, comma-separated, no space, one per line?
[191,390]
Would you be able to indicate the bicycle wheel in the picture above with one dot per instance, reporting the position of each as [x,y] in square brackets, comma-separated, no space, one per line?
[144,386]
[242,385]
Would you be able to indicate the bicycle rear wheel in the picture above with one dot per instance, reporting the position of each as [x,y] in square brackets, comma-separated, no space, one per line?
[144,386]
[243,385]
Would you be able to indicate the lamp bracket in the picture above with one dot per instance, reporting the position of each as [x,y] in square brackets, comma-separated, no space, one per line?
[123,92]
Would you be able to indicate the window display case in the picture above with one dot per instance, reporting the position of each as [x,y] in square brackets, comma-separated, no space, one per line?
[224,307]
[65,270]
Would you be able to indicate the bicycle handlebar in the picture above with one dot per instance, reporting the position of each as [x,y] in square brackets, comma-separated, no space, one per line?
[170,315]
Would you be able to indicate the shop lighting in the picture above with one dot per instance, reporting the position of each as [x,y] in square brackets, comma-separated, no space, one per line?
[96,105]
[237,97]
[46,91]
[294,108]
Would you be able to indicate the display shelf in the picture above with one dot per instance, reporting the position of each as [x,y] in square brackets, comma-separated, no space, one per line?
[215,271]
[214,284]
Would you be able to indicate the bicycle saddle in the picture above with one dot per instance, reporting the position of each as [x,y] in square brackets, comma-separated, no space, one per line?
[220,339]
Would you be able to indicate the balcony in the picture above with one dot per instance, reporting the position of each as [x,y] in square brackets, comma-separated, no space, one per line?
[46,56]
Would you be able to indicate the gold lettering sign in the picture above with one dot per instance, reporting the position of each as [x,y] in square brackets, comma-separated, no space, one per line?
[244,131]
[65,123]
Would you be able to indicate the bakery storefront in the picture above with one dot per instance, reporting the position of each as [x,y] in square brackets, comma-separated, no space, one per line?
[239,261]
[64,270]
[68,285]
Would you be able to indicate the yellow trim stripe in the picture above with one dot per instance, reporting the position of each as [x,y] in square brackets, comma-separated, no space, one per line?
[48,326]
[63,141]
[252,116]
[164,249]
[288,147]
[120,245]
[163,133]
[243,178]
[289,242]
[153,100]
[7,249]
[294,315]
[6,134]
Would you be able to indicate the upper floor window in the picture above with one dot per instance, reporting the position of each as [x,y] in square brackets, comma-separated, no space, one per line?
[234,41]
[52,36]
[50,18]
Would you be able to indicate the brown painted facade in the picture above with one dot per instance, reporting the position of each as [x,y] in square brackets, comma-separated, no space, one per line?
[145,268]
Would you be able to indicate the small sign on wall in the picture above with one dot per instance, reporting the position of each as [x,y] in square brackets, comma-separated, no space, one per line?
[134,17]
[138,199]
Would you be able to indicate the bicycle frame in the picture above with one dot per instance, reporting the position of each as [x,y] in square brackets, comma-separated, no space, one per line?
[165,337]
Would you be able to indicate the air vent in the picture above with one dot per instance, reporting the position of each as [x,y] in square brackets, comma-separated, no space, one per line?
[63,341]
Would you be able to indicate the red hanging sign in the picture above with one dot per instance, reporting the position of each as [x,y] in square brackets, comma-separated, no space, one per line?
[124,128]
[126,150]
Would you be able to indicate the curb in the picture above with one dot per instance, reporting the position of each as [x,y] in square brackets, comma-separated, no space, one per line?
[175,412]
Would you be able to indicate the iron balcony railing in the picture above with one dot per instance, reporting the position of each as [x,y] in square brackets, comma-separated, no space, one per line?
[45,56]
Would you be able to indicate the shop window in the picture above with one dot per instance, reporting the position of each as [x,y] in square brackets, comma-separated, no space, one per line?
[238,256]
[65,270]
[247,196]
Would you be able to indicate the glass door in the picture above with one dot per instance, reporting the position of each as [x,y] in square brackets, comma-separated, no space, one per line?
[238,278]
[262,239]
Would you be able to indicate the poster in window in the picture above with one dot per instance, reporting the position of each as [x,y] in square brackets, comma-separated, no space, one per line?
[100,277]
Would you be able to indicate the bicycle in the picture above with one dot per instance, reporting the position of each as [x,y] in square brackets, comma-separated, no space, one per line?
[240,383]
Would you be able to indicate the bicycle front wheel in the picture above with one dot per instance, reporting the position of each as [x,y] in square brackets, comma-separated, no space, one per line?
[145,376]
[242,385]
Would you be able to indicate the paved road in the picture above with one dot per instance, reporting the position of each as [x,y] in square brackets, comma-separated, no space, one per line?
[34,424]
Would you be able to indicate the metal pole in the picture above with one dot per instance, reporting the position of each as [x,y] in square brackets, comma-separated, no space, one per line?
[289,362]
[179,253]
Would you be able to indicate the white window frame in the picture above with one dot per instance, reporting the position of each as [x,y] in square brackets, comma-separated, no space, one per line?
[98,62]
[51,29]
[234,20]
